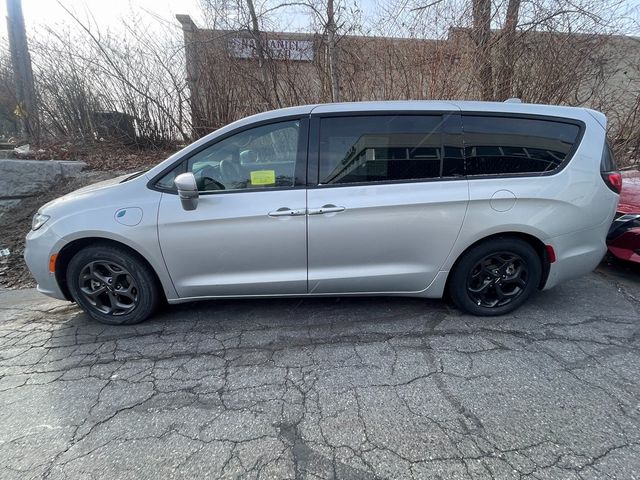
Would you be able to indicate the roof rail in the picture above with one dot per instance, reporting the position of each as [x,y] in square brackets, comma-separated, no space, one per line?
[513,100]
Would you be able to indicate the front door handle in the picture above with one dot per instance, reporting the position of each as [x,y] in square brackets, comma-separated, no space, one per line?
[330,208]
[287,212]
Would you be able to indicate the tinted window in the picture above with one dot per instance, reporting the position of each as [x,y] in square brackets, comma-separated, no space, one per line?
[379,148]
[260,157]
[453,161]
[500,145]
[166,182]
[608,162]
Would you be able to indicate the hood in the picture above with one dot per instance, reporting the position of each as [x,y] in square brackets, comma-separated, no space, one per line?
[89,190]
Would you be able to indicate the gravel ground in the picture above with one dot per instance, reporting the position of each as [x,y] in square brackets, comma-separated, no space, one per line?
[327,388]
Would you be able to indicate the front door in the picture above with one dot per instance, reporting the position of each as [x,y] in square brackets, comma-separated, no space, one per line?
[247,235]
[390,202]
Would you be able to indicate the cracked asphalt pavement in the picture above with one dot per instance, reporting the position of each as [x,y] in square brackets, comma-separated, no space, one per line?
[326,388]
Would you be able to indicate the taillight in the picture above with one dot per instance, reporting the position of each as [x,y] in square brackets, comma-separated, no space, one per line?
[551,254]
[613,181]
[608,168]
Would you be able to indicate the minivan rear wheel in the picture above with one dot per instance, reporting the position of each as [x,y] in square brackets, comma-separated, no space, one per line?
[495,277]
[112,285]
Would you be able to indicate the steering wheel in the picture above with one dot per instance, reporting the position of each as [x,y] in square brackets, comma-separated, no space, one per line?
[230,172]
[207,181]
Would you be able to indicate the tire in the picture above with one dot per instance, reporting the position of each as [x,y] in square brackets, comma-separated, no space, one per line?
[495,277]
[112,285]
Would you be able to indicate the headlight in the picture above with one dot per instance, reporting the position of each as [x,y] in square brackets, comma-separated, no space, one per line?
[39,220]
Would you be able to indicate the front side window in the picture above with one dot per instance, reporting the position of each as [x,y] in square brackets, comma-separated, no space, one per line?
[261,157]
[505,145]
[380,148]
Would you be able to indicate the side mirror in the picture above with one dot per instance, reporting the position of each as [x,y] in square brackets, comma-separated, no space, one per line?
[187,190]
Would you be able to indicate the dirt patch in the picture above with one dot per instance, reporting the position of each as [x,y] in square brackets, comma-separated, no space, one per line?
[103,156]
[15,223]
[104,160]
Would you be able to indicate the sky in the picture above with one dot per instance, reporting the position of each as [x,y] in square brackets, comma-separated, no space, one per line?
[109,12]
[103,12]
[106,13]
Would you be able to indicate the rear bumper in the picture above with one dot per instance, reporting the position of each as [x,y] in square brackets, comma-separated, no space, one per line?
[577,253]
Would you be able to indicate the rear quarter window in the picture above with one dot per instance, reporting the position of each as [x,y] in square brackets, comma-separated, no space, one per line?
[510,145]
[608,162]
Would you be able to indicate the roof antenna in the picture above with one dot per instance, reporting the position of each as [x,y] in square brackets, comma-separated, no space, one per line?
[513,100]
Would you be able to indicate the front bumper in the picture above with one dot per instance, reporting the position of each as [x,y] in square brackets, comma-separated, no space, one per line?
[40,245]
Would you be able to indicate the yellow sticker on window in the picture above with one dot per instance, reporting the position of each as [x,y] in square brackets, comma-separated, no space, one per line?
[263,177]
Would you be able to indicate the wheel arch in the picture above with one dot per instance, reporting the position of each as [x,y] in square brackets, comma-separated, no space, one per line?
[67,252]
[537,244]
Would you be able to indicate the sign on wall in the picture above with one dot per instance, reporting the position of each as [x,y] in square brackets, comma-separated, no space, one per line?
[276,48]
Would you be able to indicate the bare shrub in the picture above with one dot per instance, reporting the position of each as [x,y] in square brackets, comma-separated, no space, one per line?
[8,101]
[81,70]
[545,51]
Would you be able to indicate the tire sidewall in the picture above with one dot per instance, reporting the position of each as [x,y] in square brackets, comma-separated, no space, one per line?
[147,288]
[458,285]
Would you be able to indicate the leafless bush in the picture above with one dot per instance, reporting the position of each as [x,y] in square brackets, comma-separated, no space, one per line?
[547,51]
[82,71]
[568,52]
[8,102]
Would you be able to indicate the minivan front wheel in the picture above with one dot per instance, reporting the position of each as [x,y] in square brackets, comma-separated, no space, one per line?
[112,285]
[495,277]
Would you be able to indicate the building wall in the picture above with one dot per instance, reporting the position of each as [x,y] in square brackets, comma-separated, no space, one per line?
[227,80]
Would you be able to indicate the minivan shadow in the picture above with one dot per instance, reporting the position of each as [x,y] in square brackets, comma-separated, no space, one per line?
[266,318]
[357,316]
[287,324]
[318,310]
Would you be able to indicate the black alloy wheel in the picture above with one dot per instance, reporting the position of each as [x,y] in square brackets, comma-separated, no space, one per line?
[497,279]
[495,276]
[109,287]
[113,284]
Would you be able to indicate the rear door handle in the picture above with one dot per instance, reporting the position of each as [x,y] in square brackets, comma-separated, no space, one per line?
[330,208]
[287,212]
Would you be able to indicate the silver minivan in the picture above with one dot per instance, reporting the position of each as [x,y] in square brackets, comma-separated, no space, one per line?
[480,202]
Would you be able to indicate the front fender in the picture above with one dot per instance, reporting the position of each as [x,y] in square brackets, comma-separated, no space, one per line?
[102,217]
[152,255]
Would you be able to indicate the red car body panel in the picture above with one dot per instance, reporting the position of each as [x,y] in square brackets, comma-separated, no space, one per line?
[630,195]
[625,244]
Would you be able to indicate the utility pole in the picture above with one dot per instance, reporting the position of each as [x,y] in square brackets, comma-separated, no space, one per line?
[507,54]
[331,51]
[481,33]
[26,109]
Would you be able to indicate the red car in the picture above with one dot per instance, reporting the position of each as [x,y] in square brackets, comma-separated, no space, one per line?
[624,236]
